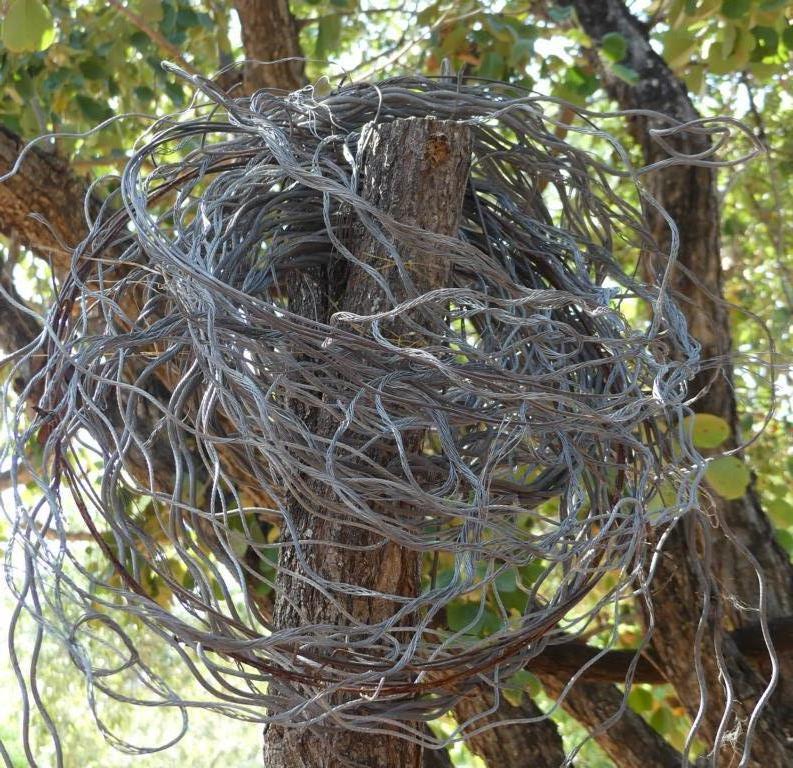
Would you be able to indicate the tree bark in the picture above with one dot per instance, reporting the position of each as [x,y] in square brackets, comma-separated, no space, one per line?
[270,34]
[689,195]
[630,742]
[44,186]
[416,171]
[17,327]
[518,745]
[436,758]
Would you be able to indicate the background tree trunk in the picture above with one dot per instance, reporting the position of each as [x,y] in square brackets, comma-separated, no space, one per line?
[417,172]
[689,195]
[270,34]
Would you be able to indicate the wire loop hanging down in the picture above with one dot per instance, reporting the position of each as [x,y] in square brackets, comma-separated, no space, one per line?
[548,383]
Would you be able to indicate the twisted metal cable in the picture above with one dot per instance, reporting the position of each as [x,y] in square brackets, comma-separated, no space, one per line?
[554,427]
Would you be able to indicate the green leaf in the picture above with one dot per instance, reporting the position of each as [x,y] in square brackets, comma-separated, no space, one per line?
[728,476]
[513,695]
[583,83]
[706,429]
[665,495]
[238,542]
[506,582]
[735,9]
[140,40]
[732,226]
[640,699]
[763,71]
[188,580]
[742,49]
[175,93]
[785,539]
[27,26]
[205,20]
[93,69]
[531,572]
[560,13]
[427,15]
[766,42]
[772,5]
[514,600]
[718,62]
[455,40]
[92,109]
[781,512]
[328,35]
[701,8]
[521,52]
[460,614]
[614,46]
[144,93]
[678,44]
[186,18]
[55,80]
[499,30]
[444,577]
[169,27]
[491,66]
[517,684]
[662,720]
[628,74]
[694,78]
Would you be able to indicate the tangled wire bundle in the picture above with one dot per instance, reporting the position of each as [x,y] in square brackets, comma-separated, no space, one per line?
[356,512]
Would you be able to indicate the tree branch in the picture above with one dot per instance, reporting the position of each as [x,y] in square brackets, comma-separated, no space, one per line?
[612,667]
[629,741]
[46,186]
[535,744]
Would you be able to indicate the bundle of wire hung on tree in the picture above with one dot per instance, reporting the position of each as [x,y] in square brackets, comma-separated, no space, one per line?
[506,437]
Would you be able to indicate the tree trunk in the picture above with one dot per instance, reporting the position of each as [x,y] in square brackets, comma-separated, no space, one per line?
[269,34]
[689,195]
[416,171]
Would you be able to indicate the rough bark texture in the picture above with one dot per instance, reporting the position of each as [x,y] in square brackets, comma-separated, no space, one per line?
[629,742]
[436,758]
[17,328]
[525,745]
[46,186]
[689,196]
[269,33]
[415,170]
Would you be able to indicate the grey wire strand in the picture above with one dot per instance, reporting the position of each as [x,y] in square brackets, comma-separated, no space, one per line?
[172,356]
